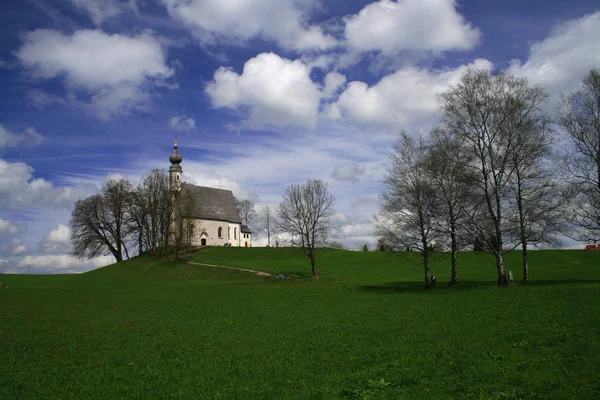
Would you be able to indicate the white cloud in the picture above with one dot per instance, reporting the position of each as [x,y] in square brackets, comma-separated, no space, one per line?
[19,190]
[7,227]
[414,25]
[100,10]
[333,82]
[405,99]
[57,240]
[560,61]
[347,172]
[19,249]
[281,21]
[58,262]
[277,91]
[116,71]
[182,122]
[29,137]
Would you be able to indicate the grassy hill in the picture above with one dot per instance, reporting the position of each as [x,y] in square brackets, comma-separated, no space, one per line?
[367,329]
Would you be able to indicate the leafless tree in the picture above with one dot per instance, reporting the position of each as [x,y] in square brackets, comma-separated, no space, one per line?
[305,214]
[98,222]
[246,211]
[536,211]
[488,113]
[267,222]
[182,222]
[409,205]
[154,190]
[137,219]
[579,118]
[448,163]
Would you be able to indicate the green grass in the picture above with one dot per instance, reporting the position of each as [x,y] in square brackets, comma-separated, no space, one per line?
[367,329]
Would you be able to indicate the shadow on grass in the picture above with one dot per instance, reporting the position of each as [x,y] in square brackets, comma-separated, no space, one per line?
[419,287]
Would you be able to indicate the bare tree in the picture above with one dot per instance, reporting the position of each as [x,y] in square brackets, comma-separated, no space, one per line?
[246,211]
[137,218]
[534,196]
[580,120]
[488,113]
[447,162]
[409,205]
[305,214]
[182,223]
[98,222]
[267,222]
[154,190]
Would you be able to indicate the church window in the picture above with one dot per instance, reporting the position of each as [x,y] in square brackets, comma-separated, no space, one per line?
[229,233]
[220,232]
[191,230]
[235,233]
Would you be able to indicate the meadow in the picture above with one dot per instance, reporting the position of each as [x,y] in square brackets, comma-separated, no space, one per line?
[366,330]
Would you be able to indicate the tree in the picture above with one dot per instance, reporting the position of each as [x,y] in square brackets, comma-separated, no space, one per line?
[447,162]
[267,222]
[182,223]
[489,113]
[137,220]
[246,211]
[98,222]
[536,203]
[364,247]
[154,190]
[580,121]
[409,205]
[305,214]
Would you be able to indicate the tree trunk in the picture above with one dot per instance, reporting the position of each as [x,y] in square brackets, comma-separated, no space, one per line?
[426,265]
[313,265]
[525,263]
[140,242]
[453,256]
[500,268]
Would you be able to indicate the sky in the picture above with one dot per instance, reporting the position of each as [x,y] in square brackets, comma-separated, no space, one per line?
[260,94]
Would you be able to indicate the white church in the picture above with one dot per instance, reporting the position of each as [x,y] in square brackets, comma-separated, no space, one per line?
[214,220]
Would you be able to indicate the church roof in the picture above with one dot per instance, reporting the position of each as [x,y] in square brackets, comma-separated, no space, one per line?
[245,229]
[215,204]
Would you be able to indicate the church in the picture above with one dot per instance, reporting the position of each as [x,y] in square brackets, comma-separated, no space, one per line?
[213,217]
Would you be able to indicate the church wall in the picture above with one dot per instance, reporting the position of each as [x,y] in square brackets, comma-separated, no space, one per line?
[212,229]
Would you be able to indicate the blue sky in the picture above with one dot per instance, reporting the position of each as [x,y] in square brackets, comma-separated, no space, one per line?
[260,94]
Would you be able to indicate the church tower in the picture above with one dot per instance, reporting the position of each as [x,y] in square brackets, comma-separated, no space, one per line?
[175,170]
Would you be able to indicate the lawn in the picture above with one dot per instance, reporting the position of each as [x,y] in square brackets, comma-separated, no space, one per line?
[367,329]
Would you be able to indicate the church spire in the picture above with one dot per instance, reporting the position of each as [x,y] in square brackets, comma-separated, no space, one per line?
[175,169]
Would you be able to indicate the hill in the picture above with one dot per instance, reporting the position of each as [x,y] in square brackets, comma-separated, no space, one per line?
[367,329]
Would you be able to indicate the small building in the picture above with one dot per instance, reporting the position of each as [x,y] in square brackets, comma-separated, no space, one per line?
[212,218]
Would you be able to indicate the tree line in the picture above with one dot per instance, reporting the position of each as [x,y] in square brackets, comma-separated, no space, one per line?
[497,173]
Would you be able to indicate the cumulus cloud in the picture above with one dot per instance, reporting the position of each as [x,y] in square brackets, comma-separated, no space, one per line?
[404,100]
[281,21]
[347,172]
[560,61]
[7,227]
[276,90]
[29,137]
[100,10]
[414,25]
[182,122]
[62,263]
[116,71]
[57,241]
[19,190]
[333,83]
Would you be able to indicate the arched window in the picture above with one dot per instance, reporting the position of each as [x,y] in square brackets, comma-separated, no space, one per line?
[229,233]
[235,233]
[220,233]
[191,229]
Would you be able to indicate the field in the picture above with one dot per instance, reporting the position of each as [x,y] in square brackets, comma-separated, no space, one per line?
[366,330]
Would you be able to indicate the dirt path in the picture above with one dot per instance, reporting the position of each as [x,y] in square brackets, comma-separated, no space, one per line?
[259,273]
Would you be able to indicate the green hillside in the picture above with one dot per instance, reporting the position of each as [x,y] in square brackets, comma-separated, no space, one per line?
[367,329]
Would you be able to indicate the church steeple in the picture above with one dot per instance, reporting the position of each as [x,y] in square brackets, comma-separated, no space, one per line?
[175,169]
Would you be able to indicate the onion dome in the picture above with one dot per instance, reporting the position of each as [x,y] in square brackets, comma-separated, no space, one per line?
[175,156]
